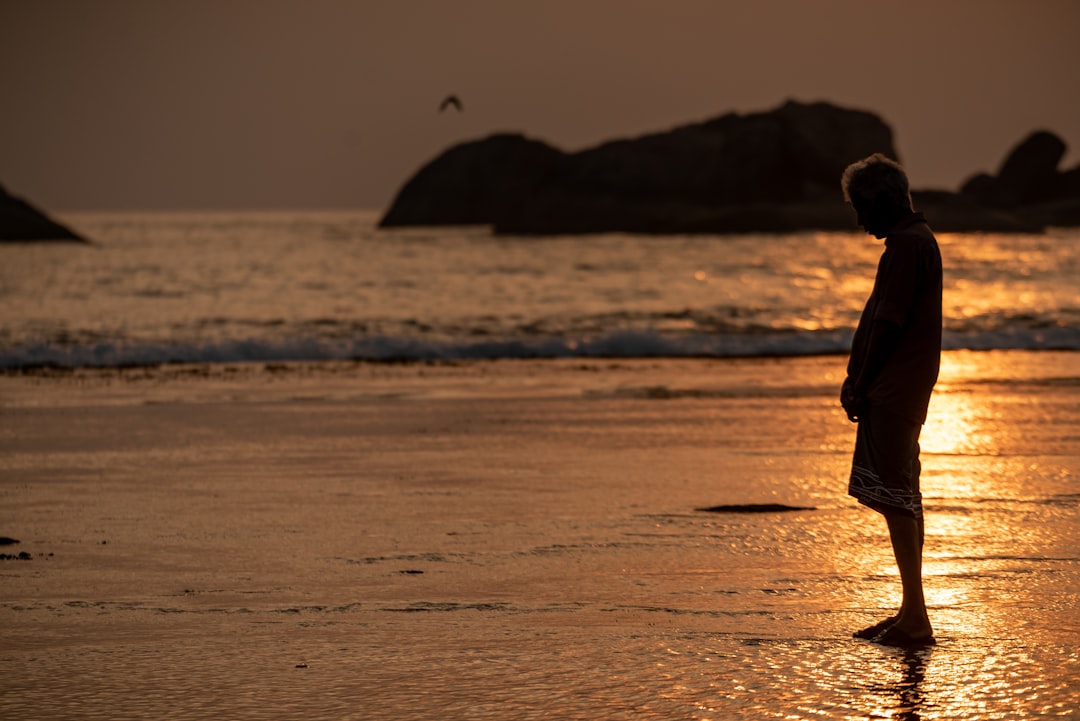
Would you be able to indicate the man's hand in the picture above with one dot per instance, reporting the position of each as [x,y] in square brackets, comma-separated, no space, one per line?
[884,338]
[851,400]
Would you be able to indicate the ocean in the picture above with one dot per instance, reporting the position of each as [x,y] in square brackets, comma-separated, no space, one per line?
[313,286]
[220,513]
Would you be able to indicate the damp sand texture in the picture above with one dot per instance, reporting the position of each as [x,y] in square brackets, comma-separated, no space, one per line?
[523,539]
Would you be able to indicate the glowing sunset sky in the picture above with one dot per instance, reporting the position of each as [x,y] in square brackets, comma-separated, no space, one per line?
[232,104]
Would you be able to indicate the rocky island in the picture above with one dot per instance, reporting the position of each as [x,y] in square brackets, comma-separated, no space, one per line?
[773,171]
[20,221]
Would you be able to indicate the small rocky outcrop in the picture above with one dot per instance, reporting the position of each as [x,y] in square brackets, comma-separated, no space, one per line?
[1029,184]
[1029,174]
[771,171]
[473,183]
[20,221]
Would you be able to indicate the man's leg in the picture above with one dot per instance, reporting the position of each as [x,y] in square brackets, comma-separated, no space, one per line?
[885,441]
[906,534]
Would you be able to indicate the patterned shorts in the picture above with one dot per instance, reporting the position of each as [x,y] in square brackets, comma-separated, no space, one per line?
[885,468]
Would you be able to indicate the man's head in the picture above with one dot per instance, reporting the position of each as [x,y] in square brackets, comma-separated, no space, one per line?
[877,189]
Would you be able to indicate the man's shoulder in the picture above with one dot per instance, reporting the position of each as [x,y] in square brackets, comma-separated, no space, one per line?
[914,223]
[914,235]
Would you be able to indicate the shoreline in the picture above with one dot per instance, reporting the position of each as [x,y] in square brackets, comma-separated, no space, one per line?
[646,378]
[512,538]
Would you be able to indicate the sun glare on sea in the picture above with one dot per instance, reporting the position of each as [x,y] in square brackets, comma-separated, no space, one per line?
[956,425]
[958,422]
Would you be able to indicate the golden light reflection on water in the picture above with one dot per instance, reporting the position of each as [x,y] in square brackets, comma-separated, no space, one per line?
[962,423]
[957,425]
[998,484]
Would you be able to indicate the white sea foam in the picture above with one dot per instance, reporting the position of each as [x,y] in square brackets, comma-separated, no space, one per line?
[615,344]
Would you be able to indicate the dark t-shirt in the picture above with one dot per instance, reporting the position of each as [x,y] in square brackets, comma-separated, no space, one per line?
[907,292]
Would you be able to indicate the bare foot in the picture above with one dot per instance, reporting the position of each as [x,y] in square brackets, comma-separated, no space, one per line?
[896,636]
[877,628]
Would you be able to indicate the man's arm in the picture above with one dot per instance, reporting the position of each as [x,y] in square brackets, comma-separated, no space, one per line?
[883,341]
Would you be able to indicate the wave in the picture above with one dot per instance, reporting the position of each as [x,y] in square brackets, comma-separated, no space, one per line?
[625,343]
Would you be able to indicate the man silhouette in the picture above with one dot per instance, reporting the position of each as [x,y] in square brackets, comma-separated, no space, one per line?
[894,363]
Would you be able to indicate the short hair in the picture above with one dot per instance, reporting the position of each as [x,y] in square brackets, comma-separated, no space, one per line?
[878,180]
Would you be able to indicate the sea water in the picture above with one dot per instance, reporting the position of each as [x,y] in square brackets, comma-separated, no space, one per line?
[353,540]
[324,286]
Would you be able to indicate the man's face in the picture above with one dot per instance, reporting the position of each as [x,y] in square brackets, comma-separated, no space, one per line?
[874,219]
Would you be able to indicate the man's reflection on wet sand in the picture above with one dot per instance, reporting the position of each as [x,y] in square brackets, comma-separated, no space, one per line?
[908,689]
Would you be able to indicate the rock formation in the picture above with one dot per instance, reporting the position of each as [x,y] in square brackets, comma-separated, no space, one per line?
[774,171]
[20,221]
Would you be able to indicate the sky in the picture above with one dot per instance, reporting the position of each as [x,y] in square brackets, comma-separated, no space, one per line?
[312,104]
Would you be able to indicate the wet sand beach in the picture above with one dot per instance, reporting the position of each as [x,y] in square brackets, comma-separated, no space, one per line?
[521,539]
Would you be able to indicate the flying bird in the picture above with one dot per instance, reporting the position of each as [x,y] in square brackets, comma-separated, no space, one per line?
[450,101]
